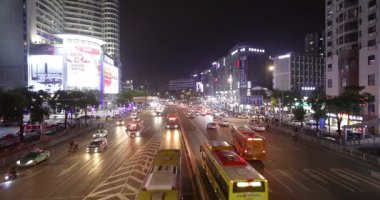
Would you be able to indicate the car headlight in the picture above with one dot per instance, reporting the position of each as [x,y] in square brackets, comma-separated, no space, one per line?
[18,162]
[93,135]
[29,162]
[167,126]
[175,126]
[88,149]
[137,133]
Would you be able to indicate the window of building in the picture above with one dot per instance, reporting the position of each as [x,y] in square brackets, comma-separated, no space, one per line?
[371,16]
[329,67]
[371,43]
[329,54]
[371,29]
[371,60]
[371,3]
[371,79]
[329,83]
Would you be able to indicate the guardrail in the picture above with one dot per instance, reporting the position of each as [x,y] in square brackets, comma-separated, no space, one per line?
[192,162]
[347,150]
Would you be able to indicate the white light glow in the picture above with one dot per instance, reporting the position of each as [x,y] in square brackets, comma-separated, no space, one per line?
[284,56]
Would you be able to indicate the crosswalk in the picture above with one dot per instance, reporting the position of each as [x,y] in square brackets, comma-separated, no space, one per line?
[126,181]
[308,179]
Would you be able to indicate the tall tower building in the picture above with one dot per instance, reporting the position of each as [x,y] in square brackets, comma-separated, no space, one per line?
[342,58]
[352,47]
[111,27]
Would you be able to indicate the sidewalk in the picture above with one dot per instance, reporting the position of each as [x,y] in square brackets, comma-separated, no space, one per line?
[311,137]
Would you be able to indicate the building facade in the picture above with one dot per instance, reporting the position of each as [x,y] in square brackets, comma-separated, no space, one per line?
[13,40]
[39,22]
[181,84]
[315,44]
[352,48]
[300,73]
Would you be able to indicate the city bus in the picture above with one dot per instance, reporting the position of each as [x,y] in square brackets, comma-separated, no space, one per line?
[213,145]
[231,177]
[249,144]
[164,178]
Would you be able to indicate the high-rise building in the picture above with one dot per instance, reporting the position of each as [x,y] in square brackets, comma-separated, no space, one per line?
[300,73]
[315,44]
[352,47]
[31,26]
[13,50]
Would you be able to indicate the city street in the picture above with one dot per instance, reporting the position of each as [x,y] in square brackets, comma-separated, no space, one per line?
[116,173]
[296,170]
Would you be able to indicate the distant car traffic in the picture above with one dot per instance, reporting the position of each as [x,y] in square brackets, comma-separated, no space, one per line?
[224,123]
[211,125]
[33,158]
[119,122]
[258,127]
[97,145]
[100,134]
[243,116]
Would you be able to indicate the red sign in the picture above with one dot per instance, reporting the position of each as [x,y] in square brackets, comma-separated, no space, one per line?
[88,50]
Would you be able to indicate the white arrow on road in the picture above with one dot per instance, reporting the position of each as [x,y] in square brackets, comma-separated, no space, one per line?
[67,169]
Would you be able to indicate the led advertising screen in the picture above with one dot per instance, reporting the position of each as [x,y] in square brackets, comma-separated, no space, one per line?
[83,66]
[111,79]
[45,72]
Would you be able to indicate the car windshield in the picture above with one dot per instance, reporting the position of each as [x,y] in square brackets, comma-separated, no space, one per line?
[31,155]
[94,143]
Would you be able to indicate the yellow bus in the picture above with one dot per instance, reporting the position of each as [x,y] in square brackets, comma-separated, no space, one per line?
[249,144]
[163,180]
[231,177]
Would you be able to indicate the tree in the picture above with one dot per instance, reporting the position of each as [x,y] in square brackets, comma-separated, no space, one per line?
[349,102]
[299,114]
[124,97]
[63,101]
[36,106]
[318,104]
[85,99]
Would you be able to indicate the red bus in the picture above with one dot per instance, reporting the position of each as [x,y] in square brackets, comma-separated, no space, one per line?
[248,143]
[172,121]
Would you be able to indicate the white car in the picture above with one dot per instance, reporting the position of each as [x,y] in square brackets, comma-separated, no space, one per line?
[120,122]
[100,134]
[211,125]
[243,116]
[258,127]
[224,123]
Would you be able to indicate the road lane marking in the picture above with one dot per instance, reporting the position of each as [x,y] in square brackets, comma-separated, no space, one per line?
[332,179]
[63,172]
[289,176]
[343,175]
[362,178]
[95,167]
[308,179]
[278,180]
[316,177]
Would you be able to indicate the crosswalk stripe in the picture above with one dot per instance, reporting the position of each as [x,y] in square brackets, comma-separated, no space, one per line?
[278,180]
[362,178]
[308,179]
[332,180]
[289,176]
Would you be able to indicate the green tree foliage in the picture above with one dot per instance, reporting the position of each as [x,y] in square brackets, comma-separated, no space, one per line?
[349,102]
[299,114]
[318,104]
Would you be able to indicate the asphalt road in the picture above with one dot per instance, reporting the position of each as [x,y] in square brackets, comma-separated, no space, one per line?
[117,173]
[296,170]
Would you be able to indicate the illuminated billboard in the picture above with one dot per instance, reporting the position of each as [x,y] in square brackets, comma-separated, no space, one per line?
[111,79]
[199,87]
[45,72]
[83,59]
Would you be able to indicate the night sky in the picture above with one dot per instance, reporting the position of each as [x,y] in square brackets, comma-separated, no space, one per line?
[170,39]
